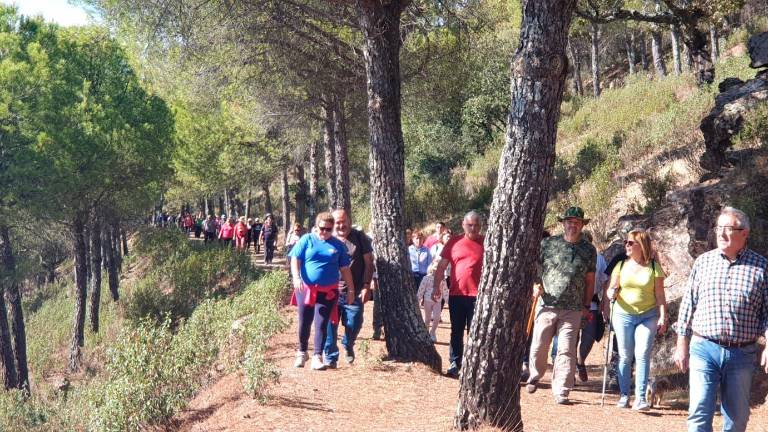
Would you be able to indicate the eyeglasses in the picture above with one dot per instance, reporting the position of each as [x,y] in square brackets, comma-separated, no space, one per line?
[629,243]
[324,229]
[727,229]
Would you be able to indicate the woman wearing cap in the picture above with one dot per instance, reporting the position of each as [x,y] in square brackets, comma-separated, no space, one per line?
[317,261]
[640,311]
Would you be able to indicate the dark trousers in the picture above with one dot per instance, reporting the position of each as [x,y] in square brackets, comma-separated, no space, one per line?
[378,321]
[319,314]
[226,242]
[417,277]
[461,309]
[269,251]
[209,236]
[256,245]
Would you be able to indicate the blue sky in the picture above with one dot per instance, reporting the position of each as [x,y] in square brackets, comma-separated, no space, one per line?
[59,11]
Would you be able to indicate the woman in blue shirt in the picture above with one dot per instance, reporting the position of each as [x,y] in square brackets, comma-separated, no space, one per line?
[318,259]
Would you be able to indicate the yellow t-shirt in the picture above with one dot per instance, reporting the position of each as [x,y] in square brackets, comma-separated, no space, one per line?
[637,294]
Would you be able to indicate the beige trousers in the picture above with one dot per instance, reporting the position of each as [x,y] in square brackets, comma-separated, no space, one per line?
[566,324]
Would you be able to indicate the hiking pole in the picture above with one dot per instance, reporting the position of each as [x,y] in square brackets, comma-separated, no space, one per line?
[608,350]
[531,317]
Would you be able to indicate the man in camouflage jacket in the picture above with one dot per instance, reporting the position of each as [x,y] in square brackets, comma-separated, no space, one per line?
[567,272]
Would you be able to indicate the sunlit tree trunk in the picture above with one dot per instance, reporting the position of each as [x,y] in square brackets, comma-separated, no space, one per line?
[342,158]
[490,378]
[81,291]
[595,37]
[676,57]
[329,147]
[95,281]
[7,283]
[314,178]
[658,54]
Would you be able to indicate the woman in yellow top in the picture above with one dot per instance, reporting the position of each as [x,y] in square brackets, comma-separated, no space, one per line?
[637,285]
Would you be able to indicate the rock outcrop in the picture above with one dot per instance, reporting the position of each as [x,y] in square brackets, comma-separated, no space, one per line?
[736,98]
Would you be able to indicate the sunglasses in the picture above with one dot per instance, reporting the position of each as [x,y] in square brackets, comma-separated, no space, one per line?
[324,229]
[629,243]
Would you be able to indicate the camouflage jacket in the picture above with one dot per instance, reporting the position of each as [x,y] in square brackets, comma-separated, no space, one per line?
[563,266]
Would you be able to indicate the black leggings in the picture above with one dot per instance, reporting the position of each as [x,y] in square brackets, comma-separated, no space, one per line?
[269,251]
[320,314]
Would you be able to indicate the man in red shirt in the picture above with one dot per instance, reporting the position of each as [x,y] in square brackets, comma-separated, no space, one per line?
[435,237]
[465,255]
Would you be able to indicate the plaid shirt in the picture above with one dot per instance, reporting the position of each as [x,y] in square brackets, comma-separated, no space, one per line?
[726,301]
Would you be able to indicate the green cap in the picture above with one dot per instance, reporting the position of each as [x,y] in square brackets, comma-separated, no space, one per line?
[574,213]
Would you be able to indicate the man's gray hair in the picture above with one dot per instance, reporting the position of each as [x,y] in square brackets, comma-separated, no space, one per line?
[740,216]
[473,215]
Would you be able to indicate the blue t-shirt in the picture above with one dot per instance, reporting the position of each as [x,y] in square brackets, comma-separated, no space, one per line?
[321,259]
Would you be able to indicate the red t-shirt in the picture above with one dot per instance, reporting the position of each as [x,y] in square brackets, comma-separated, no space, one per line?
[227,231]
[466,258]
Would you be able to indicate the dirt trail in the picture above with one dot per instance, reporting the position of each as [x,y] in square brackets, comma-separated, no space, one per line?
[375,395]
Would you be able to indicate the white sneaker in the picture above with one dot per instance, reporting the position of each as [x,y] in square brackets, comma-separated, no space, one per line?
[623,402]
[301,358]
[317,363]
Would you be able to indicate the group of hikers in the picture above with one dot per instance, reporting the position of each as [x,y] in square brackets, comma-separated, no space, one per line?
[723,312]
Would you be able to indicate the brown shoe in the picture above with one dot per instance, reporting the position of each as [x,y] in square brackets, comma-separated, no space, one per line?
[582,369]
[531,387]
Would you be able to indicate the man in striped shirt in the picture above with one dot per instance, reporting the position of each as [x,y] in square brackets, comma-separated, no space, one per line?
[724,311]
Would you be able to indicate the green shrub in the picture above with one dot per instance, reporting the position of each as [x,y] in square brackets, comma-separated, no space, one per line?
[654,189]
[160,244]
[754,130]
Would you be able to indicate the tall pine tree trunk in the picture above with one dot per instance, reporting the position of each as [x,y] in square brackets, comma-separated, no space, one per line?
[113,278]
[576,58]
[342,158]
[81,291]
[658,54]
[629,46]
[407,337]
[7,282]
[329,146]
[696,42]
[248,205]
[595,38]
[222,208]
[116,251]
[301,195]
[714,42]
[95,272]
[676,57]
[314,178]
[267,198]
[490,377]
[643,52]
[286,201]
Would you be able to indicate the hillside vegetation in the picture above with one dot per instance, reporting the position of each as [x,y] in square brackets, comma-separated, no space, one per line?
[157,345]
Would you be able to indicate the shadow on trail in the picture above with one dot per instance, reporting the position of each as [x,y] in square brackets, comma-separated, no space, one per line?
[299,404]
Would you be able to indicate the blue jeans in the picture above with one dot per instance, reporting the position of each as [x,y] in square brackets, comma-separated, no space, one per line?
[635,335]
[351,315]
[714,366]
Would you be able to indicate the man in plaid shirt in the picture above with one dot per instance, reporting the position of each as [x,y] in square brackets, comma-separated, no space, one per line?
[724,311]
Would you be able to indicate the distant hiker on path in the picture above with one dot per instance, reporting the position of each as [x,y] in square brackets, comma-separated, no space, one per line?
[433,239]
[419,256]
[227,232]
[431,307]
[318,259]
[723,312]
[568,276]
[350,313]
[256,234]
[465,255]
[640,311]
[268,238]
[209,229]
[241,230]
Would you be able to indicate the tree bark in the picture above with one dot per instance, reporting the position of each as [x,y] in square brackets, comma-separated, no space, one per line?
[658,54]
[407,337]
[267,198]
[490,377]
[286,198]
[95,272]
[714,42]
[342,157]
[301,195]
[696,42]
[113,278]
[8,280]
[643,52]
[222,208]
[329,146]
[13,295]
[81,291]
[595,36]
[207,206]
[116,250]
[248,205]
[629,45]
[676,57]
[314,178]
[576,56]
